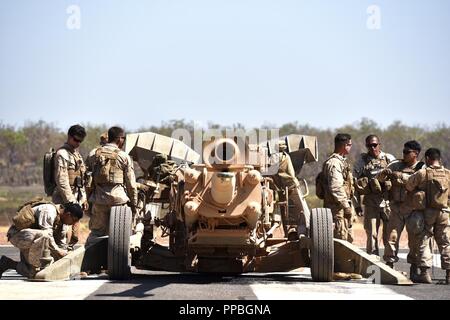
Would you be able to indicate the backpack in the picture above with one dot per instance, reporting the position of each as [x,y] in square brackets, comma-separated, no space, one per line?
[437,188]
[49,172]
[106,169]
[24,217]
[321,183]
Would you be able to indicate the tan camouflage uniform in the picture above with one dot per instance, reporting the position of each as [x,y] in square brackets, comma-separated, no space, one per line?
[402,215]
[375,201]
[107,195]
[286,178]
[31,242]
[338,194]
[68,165]
[436,224]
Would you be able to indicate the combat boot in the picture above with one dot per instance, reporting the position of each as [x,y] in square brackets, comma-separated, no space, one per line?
[423,277]
[6,264]
[413,272]
[447,277]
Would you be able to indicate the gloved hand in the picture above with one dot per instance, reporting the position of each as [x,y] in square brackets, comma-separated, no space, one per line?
[397,175]
[61,253]
[359,211]
[384,174]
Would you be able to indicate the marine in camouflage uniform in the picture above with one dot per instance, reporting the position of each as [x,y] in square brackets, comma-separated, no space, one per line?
[286,178]
[45,233]
[375,194]
[436,214]
[113,188]
[338,188]
[70,175]
[402,209]
[89,167]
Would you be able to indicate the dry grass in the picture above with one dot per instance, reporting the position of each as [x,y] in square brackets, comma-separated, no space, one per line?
[11,198]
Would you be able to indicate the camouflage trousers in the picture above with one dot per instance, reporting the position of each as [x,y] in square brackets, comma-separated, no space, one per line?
[373,217]
[99,222]
[414,224]
[343,228]
[31,243]
[436,224]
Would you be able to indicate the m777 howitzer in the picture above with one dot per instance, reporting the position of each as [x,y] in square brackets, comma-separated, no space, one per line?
[222,215]
[225,214]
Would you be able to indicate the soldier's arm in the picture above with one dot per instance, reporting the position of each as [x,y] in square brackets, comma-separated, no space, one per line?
[46,220]
[75,234]
[130,181]
[415,180]
[62,179]
[336,183]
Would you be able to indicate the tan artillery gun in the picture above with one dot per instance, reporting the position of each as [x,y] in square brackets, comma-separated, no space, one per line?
[223,213]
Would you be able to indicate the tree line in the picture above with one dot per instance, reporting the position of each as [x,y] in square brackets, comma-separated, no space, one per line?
[22,148]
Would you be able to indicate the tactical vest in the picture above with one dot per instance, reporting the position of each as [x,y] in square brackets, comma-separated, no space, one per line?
[398,192]
[436,188]
[347,176]
[76,174]
[373,166]
[106,167]
[25,219]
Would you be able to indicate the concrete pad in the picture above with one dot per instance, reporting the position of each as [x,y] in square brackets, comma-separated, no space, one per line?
[350,259]
[90,258]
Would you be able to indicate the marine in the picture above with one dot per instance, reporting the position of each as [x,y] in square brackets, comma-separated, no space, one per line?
[39,225]
[431,187]
[113,180]
[375,194]
[402,210]
[338,187]
[285,179]
[69,173]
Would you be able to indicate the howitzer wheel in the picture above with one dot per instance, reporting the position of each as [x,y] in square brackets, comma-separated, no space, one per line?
[119,259]
[322,247]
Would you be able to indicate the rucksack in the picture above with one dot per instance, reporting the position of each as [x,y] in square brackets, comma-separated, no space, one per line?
[106,169]
[437,188]
[320,185]
[24,217]
[49,172]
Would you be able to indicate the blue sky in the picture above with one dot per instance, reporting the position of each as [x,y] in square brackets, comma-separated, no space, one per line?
[137,63]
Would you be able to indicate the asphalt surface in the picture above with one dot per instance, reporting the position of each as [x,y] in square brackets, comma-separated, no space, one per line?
[185,286]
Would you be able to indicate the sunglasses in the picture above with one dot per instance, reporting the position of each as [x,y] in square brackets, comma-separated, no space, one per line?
[77,140]
[372,145]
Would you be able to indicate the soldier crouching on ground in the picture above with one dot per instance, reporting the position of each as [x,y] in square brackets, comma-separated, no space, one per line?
[338,187]
[113,182]
[39,225]
[376,201]
[430,186]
